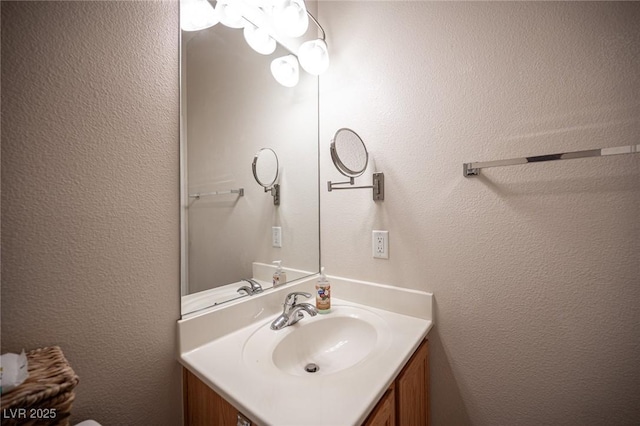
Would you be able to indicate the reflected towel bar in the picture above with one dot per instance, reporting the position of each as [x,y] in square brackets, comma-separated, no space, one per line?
[197,196]
[473,169]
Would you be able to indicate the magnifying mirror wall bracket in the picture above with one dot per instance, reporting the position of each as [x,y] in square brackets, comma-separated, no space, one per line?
[378,186]
[275,193]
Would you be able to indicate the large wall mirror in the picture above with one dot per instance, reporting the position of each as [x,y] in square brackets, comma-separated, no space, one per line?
[231,109]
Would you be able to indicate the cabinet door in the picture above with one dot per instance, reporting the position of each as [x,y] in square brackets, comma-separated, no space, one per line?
[412,390]
[203,406]
[384,414]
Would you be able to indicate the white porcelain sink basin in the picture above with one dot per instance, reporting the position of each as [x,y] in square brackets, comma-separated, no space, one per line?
[332,344]
[326,344]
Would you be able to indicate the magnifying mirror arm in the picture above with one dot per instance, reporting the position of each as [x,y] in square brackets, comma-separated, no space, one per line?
[378,186]
[330,184]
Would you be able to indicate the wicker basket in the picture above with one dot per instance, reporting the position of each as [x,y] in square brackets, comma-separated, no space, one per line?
[45,398]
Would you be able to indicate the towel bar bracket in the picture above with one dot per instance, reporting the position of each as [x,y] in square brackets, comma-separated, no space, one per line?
[467,170]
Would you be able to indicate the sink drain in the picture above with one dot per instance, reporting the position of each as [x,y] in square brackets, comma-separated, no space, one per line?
[311,368]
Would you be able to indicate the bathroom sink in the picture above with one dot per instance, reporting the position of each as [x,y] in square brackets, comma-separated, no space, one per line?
[326,346]
[318,346]
[358,349]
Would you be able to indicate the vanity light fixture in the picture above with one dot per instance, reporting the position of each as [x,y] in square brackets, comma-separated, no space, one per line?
[196,15]
[263,22]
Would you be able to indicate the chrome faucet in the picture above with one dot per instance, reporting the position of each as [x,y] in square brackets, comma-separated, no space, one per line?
[292,311]
[253,287]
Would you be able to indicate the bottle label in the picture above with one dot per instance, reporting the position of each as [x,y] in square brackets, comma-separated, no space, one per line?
[323,297]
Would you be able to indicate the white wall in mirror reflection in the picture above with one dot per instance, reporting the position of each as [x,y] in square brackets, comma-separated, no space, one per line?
[231,108]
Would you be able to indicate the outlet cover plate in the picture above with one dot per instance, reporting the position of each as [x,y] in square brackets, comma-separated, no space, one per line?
[276,236]
[380,244]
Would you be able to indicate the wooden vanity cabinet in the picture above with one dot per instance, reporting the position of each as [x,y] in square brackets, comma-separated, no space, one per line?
[412,390]
[405,403]
[203,406]
[384,413]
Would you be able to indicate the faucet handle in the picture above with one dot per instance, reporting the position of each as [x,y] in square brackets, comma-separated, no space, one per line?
[246,289]
[294,297]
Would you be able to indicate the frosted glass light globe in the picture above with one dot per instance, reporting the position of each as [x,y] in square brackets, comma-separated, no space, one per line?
[290,18]
[197,15]
[314,56]
[259,39]
[286,70]
[230,14]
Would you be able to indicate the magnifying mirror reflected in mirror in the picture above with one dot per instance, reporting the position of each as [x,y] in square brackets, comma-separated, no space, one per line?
[349,154]
[265,171]
[265,167]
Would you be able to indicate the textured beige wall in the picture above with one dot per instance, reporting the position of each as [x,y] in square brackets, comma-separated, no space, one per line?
[90,191]
[534,268]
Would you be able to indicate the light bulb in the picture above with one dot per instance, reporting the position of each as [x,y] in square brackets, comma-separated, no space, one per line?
[314,56]
[259,39]
[290,18]
[230,14]
[286,70]
[197,15]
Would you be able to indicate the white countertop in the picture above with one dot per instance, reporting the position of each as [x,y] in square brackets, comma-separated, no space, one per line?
[268,396]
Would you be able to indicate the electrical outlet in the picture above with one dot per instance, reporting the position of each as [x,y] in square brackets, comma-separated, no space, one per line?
[381,244]
[276,236]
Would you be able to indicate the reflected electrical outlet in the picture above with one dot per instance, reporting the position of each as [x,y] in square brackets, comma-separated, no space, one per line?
[276,236]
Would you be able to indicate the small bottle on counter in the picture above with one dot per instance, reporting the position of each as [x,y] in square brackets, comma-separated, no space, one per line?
[280,276]
[323,294]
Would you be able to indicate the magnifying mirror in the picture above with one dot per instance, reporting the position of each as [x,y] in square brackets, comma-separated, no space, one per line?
[350,156]
[265,171]
[348,153]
